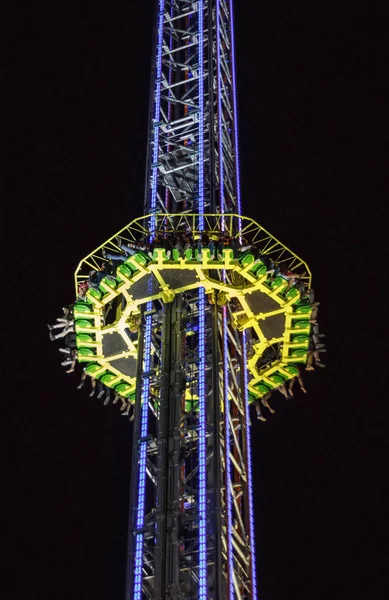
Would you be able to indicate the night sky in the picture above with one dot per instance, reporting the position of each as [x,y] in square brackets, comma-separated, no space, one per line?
[310,135]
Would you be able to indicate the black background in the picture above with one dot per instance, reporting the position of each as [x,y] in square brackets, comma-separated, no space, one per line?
[310,78]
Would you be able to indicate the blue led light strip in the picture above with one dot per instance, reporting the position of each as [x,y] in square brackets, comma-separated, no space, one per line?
[235,111]
[169,106]
[201,113]
[202,504]
[227,436]
[138,563]
[244,341]
[219,112]
[140,515]
[202,444]
[228,472]
[157,107]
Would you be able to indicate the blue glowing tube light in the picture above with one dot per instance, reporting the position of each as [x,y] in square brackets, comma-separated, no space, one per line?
[157,108]
[202,454]
[227,442]
[138,563]
[244,341]
[142,462]
[201,112]
[249,473]
[202,444]
[169,106]
[227,436]
[219,112]
[235,112]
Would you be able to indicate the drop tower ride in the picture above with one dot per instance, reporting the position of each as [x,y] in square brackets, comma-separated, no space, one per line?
[181,322]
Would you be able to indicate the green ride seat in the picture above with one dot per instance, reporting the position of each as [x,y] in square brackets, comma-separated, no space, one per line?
[301,324]
[302,309]
[300,339]
[107,378]
[85,354]
[156,253]
[251,397]
[228,255]
[261,387]
[84,340]
[126,391]
[277,379]
[85,337]
[125,270]
[176,254]
[246,258]
[82,307]
[191,406]
[110,282]
[278,282]
[258,269]
[93,367]
[292,293]
[93,293]
[140,257]
[291,369]
[84,323]
[298,353]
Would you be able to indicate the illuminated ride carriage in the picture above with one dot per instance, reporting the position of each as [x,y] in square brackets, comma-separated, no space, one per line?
[259,301]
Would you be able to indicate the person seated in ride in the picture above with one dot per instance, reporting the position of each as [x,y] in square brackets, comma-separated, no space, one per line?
[131,247]
[72,361]
[293,381]
[161,241]
[130,408]
[116,399]
[259,257]
[316,334]
[291,277]
[128,250]
[82,289]
[66,323]
[204,242]
[265,402]
[188,242]
[95,277]
[258,410]
[313,354]
[178,244]
[226,241]
[93,381]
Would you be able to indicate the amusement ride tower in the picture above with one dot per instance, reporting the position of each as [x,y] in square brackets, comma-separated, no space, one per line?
[188,301]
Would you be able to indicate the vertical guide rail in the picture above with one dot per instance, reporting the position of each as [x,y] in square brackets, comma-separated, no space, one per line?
[249,485]
[157,106]
[219,112]
[227,454]
[224,326]
[202,452]
[140,516]
[244,379]
[134,488]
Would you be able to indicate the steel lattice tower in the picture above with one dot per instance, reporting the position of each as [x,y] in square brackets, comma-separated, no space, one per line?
[193,531]
[195,363]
